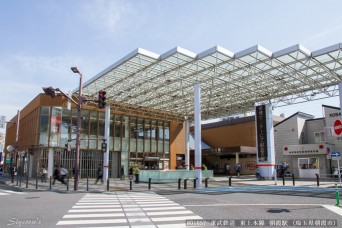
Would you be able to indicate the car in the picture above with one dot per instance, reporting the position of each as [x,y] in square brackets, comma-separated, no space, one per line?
[336,172]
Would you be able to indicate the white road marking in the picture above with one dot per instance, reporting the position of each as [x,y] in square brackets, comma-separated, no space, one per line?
[334,208]
[94,215]
[97,221]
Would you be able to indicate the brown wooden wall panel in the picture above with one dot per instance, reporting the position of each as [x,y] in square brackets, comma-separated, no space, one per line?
[177,142]
[229,136]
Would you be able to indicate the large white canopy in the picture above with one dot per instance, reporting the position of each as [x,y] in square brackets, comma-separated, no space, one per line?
[230,83]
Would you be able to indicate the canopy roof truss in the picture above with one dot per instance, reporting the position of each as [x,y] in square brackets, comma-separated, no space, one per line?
[230,83]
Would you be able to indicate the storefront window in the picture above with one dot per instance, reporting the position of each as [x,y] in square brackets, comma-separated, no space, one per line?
[140,135]
[167,131]
[74,113]
[93,129]
[117,133]
[65,126]
[84,129]
[160,136]
[147,135]
[154,136]
[44,125]
[56,120]
[133,134]
[125,133]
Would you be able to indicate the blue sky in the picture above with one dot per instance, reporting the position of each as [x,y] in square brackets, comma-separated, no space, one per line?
[41,40]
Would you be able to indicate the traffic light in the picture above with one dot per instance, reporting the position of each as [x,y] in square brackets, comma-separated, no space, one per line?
[102,99]
[66,147]
[104,147]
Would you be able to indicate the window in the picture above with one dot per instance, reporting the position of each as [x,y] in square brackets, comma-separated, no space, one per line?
[319,137]
[44,125]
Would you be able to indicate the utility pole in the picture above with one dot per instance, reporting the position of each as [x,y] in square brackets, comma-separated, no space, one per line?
[78,134]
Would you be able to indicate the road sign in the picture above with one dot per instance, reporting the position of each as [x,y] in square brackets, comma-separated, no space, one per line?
[335,155]
[338,127]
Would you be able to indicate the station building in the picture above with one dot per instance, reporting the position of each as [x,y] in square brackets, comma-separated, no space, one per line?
[152,98]
[47,136]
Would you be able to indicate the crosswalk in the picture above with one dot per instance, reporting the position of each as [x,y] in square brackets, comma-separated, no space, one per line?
[127,209]
[9,192]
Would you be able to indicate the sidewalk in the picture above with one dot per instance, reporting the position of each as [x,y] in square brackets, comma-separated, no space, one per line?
[124,185]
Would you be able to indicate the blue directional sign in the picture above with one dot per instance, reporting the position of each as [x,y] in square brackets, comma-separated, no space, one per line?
[335,154]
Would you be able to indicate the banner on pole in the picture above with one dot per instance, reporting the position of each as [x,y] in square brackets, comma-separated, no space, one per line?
[261,133]
[2,121]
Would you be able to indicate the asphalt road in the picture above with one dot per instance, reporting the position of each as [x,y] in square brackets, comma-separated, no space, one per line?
[46,209]
[31,209]
[255,206]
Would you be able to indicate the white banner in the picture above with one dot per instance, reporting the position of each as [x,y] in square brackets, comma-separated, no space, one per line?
[2,121]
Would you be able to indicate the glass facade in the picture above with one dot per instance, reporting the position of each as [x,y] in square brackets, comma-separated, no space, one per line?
[145,141]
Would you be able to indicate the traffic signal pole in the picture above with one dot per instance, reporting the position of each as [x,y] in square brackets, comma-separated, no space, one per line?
[106,154]
[78,135]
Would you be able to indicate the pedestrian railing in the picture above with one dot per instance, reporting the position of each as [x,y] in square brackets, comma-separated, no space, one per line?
[189,184]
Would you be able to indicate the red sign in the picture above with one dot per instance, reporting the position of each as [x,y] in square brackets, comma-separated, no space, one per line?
[252,165]
[338,127]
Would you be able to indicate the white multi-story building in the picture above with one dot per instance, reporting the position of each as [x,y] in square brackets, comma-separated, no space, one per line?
[305,144]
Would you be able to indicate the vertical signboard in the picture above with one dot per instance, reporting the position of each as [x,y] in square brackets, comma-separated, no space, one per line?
[2,121]
[260,114]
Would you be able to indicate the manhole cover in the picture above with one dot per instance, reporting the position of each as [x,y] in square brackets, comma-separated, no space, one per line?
[277,210]
[33,197]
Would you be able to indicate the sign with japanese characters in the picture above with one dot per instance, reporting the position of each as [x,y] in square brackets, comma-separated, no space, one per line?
[260,114]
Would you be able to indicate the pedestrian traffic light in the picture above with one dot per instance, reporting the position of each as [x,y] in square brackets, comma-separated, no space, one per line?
[102,99]
[66,148]
[104,147]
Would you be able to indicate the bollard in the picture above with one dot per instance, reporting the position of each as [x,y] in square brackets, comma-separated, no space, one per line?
[50,183]
[185,181]
[87,183]
[283,179]
[27,179]
[293,179]
[179,183]
[67,182]
[20,181]
[108,184]
[206,182]
[130,184]
[195,180]
[17,180]
[337,196]
[149,183]
[317,179]
[230,181]
[36,181]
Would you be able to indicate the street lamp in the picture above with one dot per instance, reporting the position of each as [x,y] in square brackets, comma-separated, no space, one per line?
[53,92]
[14,150]
[78,135]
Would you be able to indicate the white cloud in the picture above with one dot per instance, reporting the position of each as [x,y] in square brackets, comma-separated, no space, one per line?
[107,16]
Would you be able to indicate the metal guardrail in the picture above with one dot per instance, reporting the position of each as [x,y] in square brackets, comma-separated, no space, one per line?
[122,185]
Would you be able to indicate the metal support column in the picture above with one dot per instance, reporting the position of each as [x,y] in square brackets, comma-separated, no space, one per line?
[106,155]
[198,137]
[187,146]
